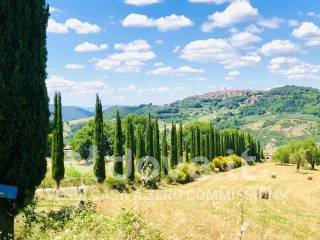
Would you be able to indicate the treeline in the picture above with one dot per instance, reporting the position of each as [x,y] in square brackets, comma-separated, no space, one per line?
[300,153]
[134,140]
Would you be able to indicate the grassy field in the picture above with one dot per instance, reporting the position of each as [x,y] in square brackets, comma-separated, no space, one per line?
[218,206]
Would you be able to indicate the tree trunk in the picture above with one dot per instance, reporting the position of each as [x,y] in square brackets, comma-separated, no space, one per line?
[6,220]
[312,165]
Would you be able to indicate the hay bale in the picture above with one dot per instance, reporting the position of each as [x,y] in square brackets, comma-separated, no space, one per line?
[310,178]
[263,194]
[273,175]
[216,170]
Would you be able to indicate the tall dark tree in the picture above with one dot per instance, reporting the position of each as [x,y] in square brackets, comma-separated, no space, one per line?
[99,144]
[192,145]
[57,154]
[139,145]
[130,166]
[156,141]
[173,147]
[24,114]
[186,147]
[180,144]
[197,142]
[149,137]
[211,142]
[164,152]
[118,146]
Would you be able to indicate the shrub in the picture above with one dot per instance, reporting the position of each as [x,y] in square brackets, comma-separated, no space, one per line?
[85,222]
[184,173]
[117,183]
[227,163]
[149,178]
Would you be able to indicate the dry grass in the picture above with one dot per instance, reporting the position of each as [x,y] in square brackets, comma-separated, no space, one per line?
[210,208]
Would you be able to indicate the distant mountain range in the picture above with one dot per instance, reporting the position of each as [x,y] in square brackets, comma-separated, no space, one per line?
[73,113]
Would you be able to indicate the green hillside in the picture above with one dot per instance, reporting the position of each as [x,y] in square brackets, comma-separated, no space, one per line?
[73,113]
[274,116]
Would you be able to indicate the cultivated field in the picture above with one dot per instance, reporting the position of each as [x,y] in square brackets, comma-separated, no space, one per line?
[219,206]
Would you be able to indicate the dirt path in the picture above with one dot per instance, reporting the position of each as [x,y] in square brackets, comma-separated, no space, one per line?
[210,208]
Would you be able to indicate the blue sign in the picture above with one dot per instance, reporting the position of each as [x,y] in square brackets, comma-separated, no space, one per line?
[8,192]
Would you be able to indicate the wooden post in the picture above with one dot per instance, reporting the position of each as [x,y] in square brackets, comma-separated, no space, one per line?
[6,220]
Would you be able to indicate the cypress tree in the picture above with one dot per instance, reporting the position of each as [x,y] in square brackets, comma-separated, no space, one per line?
[186,147]
[164,152]
[140,145]
[207,147]
[180,144]
[118,146]
[192,145]
[198,143]
[203,146]
[129,151]
[24,113]
[149,138]
[156,142]
[211,143]
[57,154]
[173,147]
[99,148]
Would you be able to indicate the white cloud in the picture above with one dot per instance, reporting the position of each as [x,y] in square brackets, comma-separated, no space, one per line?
[253,29]
[242,39]
[309,32]
[158,64]
[293,23]
[176,49]
[181,71]
[53,10]
[232,75]
[313,14]
[72,23]
[141,2]
[211,1]
[74,66]
[137,45]
[218,50]
[279,47]
[168,23]
[90,47]
[272,23]
[237,12]
[159,41]
[134,55]
[292,68]
[55,27]
[82,27]
[59,83]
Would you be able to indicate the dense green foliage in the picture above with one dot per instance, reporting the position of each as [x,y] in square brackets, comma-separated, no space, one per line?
[299,153]
[130,151]
[164,153]
[85,222]
[57,154]
[173,146]
[118,146]
[99,144]
[24,114]
[287,99]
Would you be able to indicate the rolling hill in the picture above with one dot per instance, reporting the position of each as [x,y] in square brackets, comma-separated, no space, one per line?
[73,113]
[275,116]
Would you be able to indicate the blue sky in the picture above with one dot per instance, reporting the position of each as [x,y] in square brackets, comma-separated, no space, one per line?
[157,51]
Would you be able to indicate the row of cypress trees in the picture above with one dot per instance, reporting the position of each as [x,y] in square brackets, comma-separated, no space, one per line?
[131,147]
[203,144]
